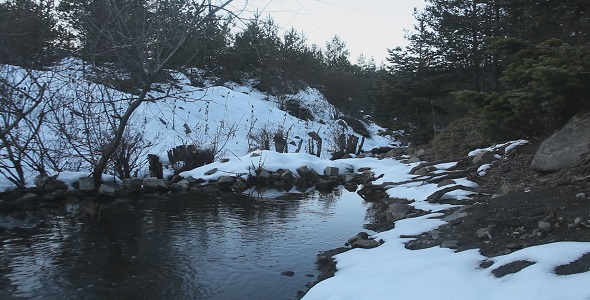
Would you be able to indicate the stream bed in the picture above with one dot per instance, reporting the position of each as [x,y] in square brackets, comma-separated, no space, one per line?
[190,246]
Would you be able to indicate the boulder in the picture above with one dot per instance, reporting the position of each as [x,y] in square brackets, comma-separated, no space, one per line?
[153,184]
[225,180]
[132,184]
[564,148]
[362,240]
[106,190]
[397,211]
[180,186]
[287,177]
[421,172]
[326,186]
[303,171]
[50,184]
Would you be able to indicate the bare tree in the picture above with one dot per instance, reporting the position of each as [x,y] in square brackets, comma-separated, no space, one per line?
[24,104]
[137,40]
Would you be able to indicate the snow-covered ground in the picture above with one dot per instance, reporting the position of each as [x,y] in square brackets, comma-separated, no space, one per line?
[229,119]
[225,116]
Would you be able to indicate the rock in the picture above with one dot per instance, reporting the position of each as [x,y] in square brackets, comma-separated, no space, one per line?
[152,184]
[484,233]
[384,149]
[264,174]
[483,158]
[446,182]
[365,244]
[210,172]
[192,180]
[86,184]
[288,273]
[224,160]
[581,196]
[351,186]
[397,211]
[513,246]
[420,152]
[287,177]
[27,200]
[331,171]
[349,177]
[133,184]
[564,148]
[106,190]
[421,172]
[303,171]
[180,186]
[359,236]
[50,184]
[325,186]
[226,180]
[362,240]
[55,196]
[239,186]
[544,226]
[455,216]
[413,159]
[363,169]
[451,244]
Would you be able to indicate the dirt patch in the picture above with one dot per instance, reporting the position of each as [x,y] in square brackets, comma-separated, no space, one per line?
[519,208]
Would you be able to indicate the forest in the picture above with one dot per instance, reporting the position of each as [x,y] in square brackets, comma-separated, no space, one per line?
[473,71]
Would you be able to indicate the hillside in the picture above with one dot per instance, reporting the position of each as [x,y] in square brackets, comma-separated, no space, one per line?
[229,120]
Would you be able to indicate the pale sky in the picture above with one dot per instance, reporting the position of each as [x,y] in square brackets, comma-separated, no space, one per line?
[369,27]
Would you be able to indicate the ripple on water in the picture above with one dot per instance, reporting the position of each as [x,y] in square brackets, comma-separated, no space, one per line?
[194,246]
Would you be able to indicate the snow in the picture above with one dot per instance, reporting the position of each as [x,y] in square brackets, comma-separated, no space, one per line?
[223,117]
[392,271]
[270,161]
[509,146]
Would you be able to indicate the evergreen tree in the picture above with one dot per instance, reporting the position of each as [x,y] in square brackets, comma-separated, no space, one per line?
[28,32]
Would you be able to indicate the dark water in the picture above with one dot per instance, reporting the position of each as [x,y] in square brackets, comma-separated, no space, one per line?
[195,246]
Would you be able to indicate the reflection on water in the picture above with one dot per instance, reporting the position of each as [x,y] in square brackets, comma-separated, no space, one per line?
[193,246]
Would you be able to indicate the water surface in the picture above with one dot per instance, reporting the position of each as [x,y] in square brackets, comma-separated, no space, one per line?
[194,246]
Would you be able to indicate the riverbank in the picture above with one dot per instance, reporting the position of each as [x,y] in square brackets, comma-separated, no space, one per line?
[530,227]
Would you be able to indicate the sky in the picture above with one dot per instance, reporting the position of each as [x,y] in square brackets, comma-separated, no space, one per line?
[367,27]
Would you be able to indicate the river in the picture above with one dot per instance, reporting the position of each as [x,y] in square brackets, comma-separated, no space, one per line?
[191,246]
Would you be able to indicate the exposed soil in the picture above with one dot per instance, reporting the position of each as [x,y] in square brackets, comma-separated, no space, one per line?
[519,208]
[515,208]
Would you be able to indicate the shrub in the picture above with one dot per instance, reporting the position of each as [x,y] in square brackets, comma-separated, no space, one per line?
[460,137]
[187,157]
